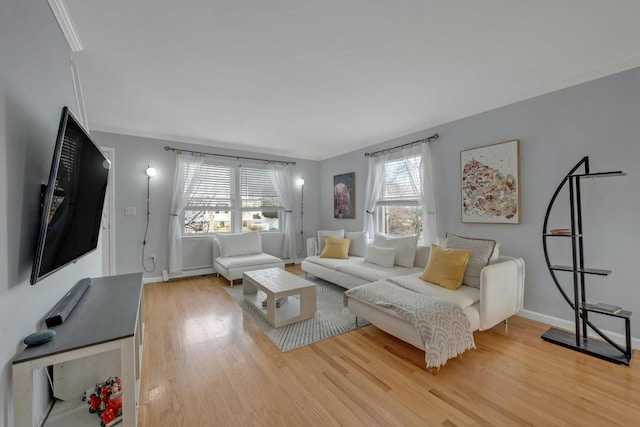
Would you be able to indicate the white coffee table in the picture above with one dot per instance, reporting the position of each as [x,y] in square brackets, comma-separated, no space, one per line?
[277,283]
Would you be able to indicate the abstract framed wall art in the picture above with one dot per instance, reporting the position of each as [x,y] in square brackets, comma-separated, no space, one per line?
[344,200]
[491,184]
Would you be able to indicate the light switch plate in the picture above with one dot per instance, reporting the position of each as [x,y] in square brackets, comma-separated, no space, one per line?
[130,211]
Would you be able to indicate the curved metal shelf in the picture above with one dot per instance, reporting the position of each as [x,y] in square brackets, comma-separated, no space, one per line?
[580,341]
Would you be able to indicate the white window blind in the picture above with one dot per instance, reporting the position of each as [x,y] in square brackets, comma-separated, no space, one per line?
[256,188]
[214,189]
[396,186]
[398,210]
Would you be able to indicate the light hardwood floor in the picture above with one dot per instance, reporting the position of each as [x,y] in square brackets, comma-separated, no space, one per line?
[205,363]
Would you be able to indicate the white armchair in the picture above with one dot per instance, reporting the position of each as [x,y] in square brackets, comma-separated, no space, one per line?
[235,253]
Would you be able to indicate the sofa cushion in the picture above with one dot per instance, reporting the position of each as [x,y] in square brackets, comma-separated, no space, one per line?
[358,242]
[236,244]
[381,256]
[446,266]
[323,233]
[333,263]
[246,260]
[405,247]
[465,296]
[481,250]
[335,247]
[373,272]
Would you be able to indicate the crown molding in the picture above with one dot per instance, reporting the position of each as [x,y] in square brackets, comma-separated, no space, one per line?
[198,141]
[61,12]
[77,87]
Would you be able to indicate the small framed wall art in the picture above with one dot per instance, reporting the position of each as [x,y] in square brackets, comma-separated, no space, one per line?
[491,184]
[344,195]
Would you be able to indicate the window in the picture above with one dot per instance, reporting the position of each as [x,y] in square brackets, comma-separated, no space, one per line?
[230,198]
[398,210]
[260,206]
[208,208]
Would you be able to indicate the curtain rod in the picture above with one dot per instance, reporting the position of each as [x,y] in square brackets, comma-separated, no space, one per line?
[434,136]
[200,153]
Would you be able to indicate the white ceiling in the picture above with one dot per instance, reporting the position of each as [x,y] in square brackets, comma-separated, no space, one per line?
[315,79]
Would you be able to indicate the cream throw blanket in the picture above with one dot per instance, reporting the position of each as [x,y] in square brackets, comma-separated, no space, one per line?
[443,326]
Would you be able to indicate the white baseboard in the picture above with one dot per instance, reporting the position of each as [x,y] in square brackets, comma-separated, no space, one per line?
[201,271]
[165,277]
[569,325]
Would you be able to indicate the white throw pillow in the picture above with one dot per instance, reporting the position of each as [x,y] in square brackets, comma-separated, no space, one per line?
[236,244]
[380,256]
[358,242]
[323,233]
[405,247]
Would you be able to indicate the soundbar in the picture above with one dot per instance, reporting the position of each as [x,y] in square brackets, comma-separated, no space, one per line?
[65,306]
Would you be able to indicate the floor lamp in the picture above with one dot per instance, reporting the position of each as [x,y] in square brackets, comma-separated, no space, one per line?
[300,182]
[150,172]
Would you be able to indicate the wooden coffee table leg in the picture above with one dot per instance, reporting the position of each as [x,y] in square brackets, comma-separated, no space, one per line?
[271,307]
[307,302]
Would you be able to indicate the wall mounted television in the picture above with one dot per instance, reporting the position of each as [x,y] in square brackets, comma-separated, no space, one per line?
[72,201]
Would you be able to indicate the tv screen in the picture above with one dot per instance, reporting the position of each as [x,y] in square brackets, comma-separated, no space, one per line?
[73,200]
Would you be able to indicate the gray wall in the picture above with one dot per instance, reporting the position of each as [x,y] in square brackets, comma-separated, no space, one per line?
[599,119]
[35,83]
[132,155]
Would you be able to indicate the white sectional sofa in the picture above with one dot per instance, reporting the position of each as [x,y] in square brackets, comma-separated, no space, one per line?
[499,296]
[354,271]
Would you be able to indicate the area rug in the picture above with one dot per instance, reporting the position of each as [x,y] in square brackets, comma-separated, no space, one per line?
[330,319]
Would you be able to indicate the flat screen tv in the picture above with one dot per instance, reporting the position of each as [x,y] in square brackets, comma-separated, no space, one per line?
[72,201]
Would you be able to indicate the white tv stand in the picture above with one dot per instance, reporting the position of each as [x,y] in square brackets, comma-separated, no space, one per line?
[108,317]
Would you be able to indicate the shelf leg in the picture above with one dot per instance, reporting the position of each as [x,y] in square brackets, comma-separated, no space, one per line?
[128,378]
[627,332]
[23,394]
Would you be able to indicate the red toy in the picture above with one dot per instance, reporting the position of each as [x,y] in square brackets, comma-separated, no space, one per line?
[106,401]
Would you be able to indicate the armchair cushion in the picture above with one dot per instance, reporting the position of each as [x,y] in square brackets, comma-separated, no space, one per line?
[241,261]
[237,244]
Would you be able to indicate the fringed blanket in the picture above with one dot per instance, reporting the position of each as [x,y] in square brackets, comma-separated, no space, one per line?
[443,326]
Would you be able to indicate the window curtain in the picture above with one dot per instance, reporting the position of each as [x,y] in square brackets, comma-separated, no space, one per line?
[281,179]
[375,178]
[185,181]
[418,161]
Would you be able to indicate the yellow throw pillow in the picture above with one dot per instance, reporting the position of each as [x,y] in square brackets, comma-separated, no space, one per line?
[335,247]
[446,266]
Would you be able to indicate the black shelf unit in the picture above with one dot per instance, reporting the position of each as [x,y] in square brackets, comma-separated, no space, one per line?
[579,339]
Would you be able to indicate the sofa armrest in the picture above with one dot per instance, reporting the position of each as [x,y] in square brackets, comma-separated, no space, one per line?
[501,291]
[215,248]
[312,246]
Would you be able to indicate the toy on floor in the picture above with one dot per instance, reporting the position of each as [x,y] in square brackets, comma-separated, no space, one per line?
[105,400]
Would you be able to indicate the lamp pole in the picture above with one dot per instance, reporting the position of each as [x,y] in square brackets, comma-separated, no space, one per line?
[301,184]
[302,216]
